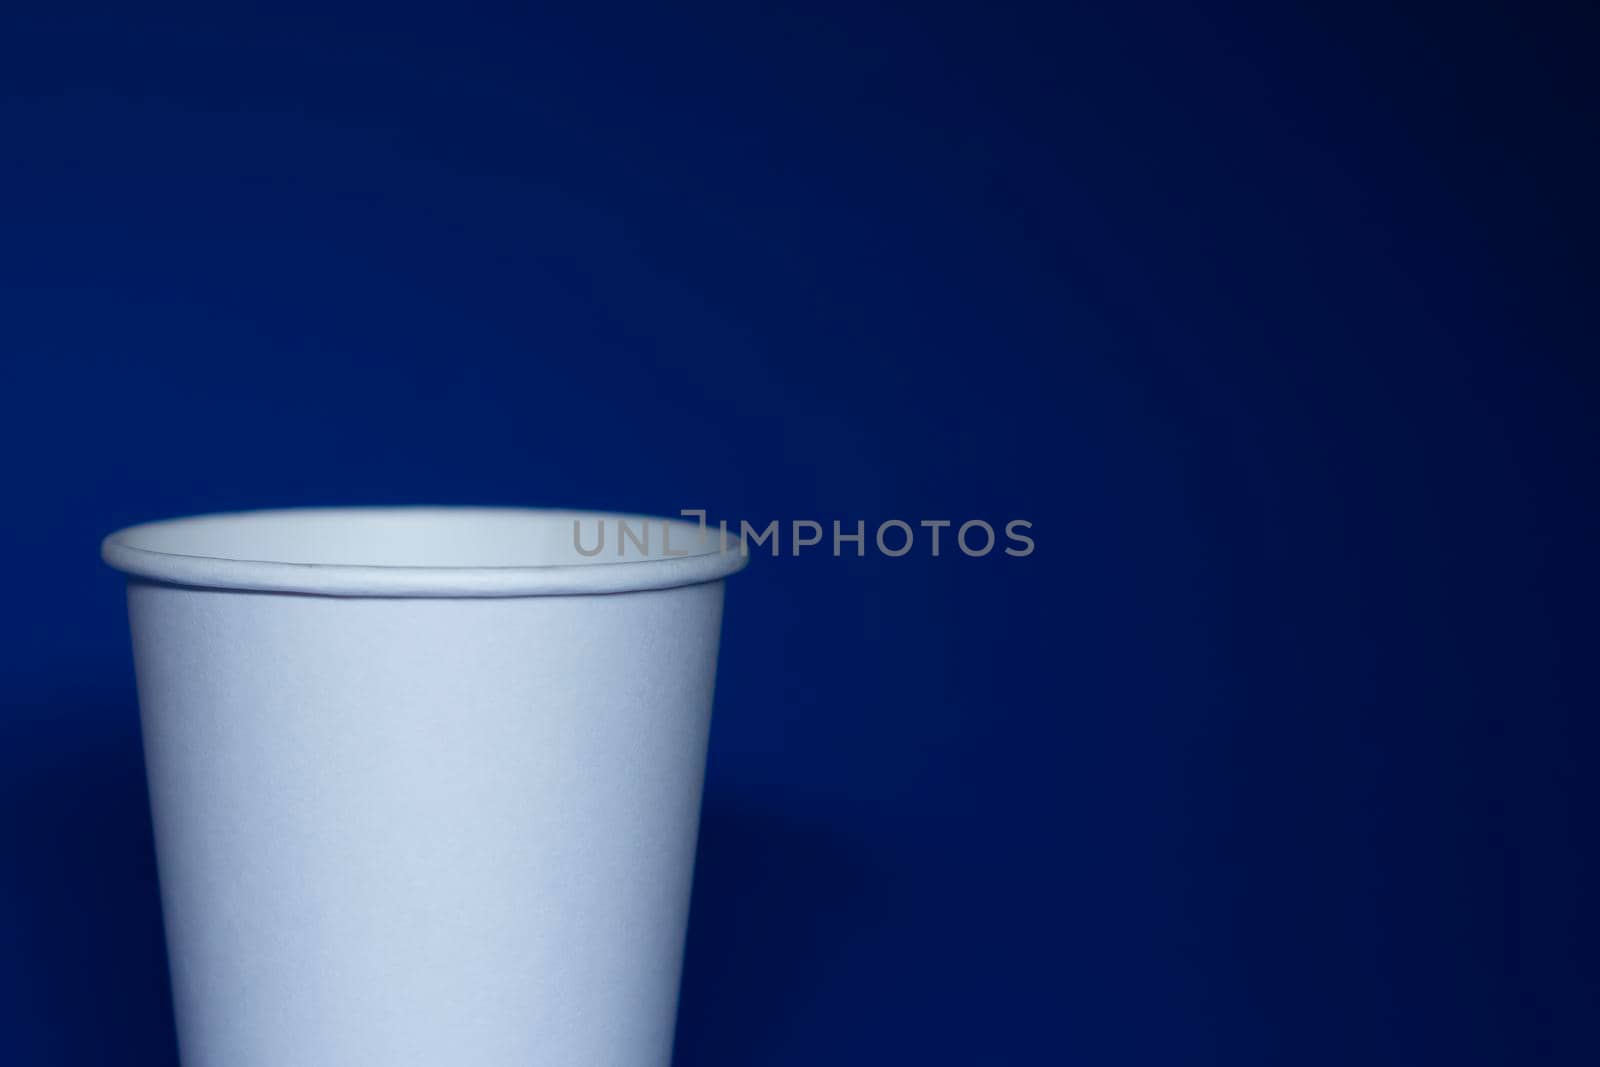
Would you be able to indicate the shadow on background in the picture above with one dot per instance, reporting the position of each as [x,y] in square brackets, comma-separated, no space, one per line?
[768,896]
[83,971]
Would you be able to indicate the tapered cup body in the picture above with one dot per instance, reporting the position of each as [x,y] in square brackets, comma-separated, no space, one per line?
[407,829]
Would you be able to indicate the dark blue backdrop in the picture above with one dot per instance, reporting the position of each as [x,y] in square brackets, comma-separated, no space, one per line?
[1277,324]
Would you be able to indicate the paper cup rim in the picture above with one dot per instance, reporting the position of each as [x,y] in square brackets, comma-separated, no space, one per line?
[702,564]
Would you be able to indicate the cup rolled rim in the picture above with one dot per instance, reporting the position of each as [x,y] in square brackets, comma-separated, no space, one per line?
[460,552]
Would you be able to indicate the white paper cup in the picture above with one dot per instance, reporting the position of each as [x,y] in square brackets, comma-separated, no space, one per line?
[425,781]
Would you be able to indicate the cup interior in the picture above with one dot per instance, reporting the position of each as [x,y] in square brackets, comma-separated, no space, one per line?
[424,537]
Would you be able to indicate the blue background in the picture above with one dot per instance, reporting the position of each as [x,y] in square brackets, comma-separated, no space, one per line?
[1276,321]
